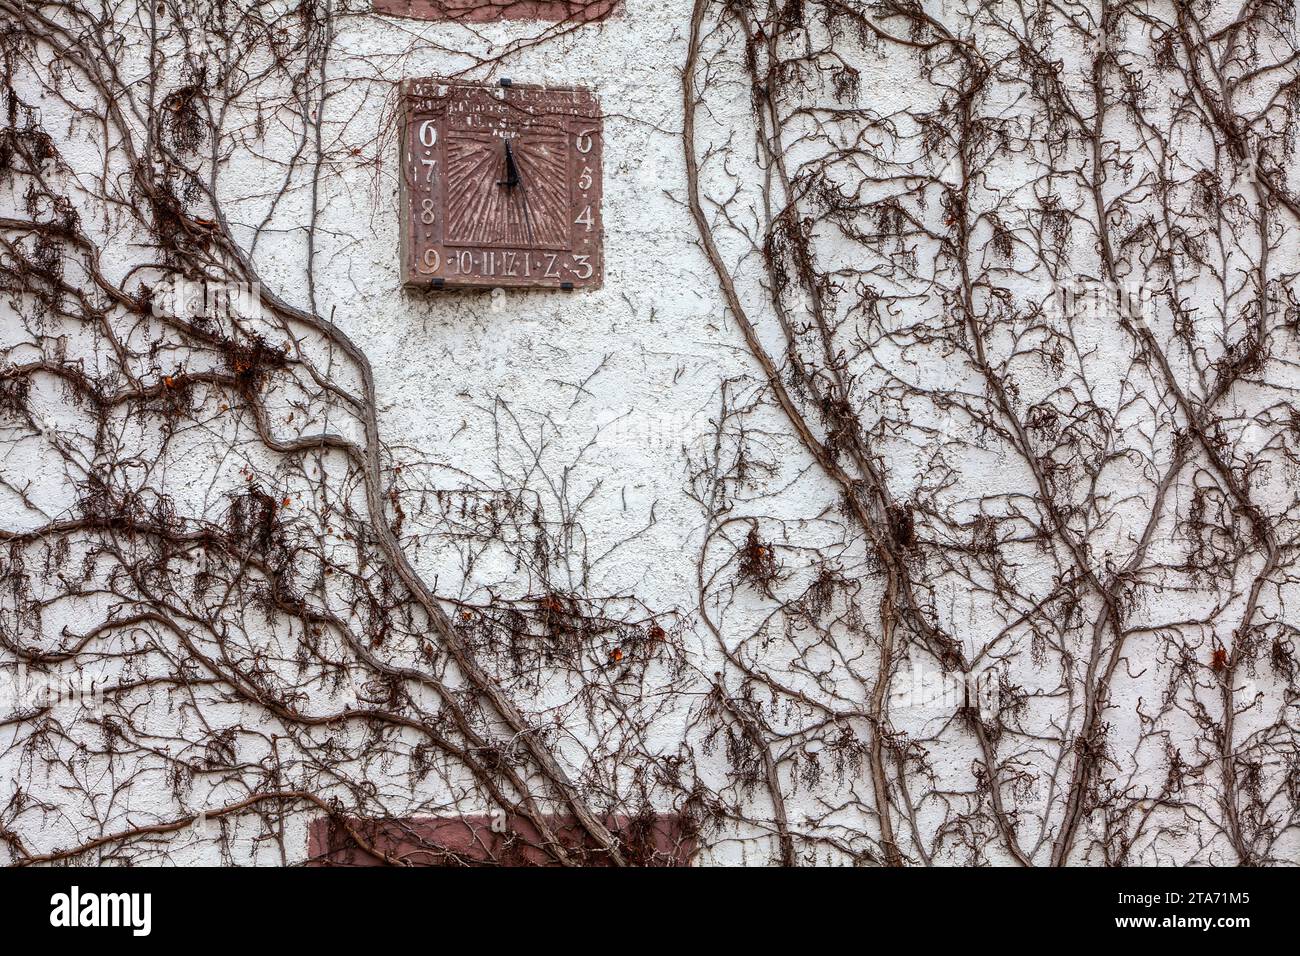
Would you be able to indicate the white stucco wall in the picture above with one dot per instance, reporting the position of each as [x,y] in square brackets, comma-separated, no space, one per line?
[618,391]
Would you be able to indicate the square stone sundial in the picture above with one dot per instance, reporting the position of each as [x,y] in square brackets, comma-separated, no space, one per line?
[501,186]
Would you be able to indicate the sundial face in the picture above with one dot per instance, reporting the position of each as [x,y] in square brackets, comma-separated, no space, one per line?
[501,186]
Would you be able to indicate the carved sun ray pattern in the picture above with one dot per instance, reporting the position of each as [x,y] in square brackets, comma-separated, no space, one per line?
[481,212]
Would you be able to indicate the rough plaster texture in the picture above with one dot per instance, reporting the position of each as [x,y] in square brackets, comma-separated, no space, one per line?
[614,383]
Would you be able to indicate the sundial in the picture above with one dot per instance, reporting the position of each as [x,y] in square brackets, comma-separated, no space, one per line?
[501,186]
